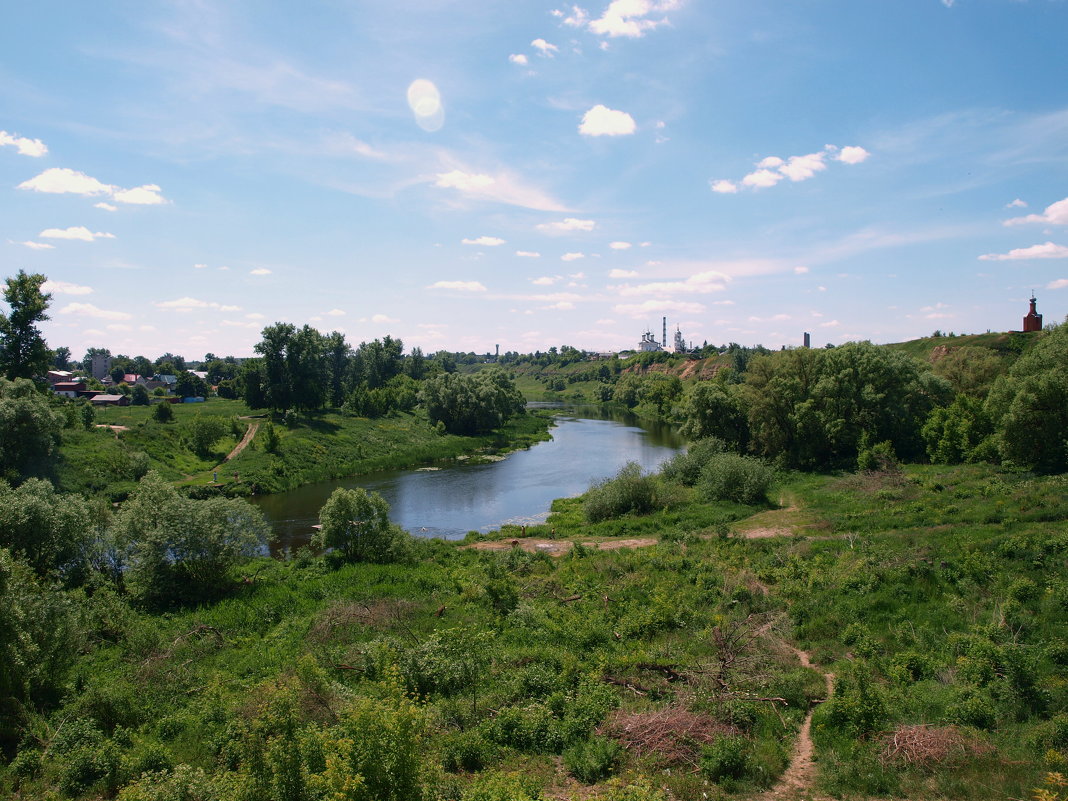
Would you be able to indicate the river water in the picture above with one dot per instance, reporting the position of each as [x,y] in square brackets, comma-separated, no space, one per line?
[587,445]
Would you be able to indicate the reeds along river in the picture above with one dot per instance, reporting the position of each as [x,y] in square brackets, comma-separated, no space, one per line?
[450,499]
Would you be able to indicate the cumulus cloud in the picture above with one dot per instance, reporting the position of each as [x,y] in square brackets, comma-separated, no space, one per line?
[503,187]
[770,170]
[74,232]
[518,58]
[1060,283]
[619,245]
[1055,214]
[800,270]
[255,316]
[623,274]
[63,180]
[487,241]
[65,288]
[658,306]
[200,266]
[545,280]
[603,121]
[1016,204]
[189,304]
[631,18]
[259,271]
[528,254]
[565,225]
[383,318]
[700,283]
[543,47]
[38,245]
[850,154]
[459,286]
[89,310]
[34,148]
[335,313]
[1047,250]
[238,324]
[572,256]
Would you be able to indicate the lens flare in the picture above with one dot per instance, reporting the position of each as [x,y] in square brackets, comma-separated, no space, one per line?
[424,100]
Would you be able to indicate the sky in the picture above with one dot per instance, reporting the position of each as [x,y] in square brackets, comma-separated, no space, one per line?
[463,175]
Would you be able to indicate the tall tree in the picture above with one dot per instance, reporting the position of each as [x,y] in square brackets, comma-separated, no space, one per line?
[23,352]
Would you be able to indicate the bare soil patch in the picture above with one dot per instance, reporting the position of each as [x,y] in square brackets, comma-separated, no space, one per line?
[245,440]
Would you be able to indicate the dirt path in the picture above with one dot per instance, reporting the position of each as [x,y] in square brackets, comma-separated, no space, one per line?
[245,440]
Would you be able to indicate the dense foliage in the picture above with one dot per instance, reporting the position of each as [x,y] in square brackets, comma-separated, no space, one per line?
[471,404]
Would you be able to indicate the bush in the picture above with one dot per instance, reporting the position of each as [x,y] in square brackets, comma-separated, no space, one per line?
[163,413]
[466,750]
[730,477]
[592,760]
[728,757]
[629,492]
[858,705]
[685,468]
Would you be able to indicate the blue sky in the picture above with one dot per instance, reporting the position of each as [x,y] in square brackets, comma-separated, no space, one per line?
[530,174]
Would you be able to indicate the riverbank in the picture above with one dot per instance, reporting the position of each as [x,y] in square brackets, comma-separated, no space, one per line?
[313,447]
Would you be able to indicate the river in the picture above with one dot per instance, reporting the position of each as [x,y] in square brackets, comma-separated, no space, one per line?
[587,445]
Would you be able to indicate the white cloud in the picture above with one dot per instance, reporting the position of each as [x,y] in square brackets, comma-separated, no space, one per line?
[34,148]
[545,48]
[238,324]
[563,305]
[658,306]
[459,286]
[851,154]
[1016,204]
[89,310]
[724,187]
[38,245]
[255,316]
[619,245]
[572,256]
[629,18]
[545,280]
[1055,214]
[487,241]
[701,283]
[528,254]
[383,318]
[504,187]
[335,313]
[603,121]
[65,288]
[61,180]
[623,274]
[188,304]
[74,232]
[1060,283]
[1047,250]
[259,271]
[518,58]
[762,179]
[770,163]
[830,324]
[567,224]
[800,270]
[64,181]
[147,195]
[801,168]
[575,18]
[200,266]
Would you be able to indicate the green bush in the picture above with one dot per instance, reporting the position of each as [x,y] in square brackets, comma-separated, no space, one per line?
[466,750]
[858,705]
[730,477]
[685,468]
[727,757]
[629,492]
[594,759]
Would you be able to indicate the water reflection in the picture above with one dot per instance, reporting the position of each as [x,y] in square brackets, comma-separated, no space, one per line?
[588,444]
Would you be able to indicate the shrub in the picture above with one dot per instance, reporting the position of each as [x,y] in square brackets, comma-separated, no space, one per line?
[728,757]
[685,468]
[730,477]
[591,760]
[466,750]
[858,704]
[629,492]
[163,412]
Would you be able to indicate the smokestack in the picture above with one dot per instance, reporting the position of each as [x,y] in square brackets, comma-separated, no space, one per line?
[664,341]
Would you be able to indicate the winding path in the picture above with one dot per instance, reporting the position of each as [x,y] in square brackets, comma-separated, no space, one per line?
[245,440]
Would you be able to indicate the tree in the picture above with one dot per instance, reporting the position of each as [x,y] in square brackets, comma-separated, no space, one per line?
[472,404]
[190,386]
[23,352]
[163,413]
[29,424]
[202,432]
[179,550]
[61,358]
[50,532]
[716,410]
[139,395]
[87,360]
[355,523]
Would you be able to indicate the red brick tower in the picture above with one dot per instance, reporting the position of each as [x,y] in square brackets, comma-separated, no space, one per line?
[1033,320]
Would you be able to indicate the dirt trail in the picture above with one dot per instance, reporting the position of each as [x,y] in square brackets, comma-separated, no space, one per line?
[245,440]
